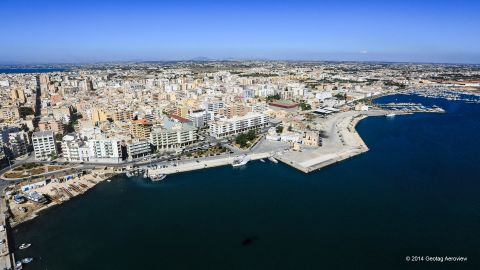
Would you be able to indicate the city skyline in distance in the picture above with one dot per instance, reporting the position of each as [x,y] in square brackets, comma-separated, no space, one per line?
[90,32]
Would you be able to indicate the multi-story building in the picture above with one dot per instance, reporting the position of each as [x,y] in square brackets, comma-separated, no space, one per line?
[232,126]
[213,105]
[173,135]
[74,149]
[140,128]
[233,110]
[16,144]
[44,144]
[99,115]
[10,113]
[122,115]
[198,118]
[105,150]
[138,148]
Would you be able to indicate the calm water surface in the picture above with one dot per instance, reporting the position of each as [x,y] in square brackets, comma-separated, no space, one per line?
[415,193]
[30,70]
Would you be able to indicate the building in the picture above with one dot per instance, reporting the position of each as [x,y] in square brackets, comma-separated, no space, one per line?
[105,150]
[232,126]
[16,144]
[233,110]
[122,115]
[46,124]
[312,138]
[213,105]
[140,128]
[99,115]
[198,118]
[173,135]
[44,145]
[74,149]
[138,148]
[9,113]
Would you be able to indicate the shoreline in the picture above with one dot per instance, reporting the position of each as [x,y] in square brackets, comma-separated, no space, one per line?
[58,194]
[343,142]
[62,192]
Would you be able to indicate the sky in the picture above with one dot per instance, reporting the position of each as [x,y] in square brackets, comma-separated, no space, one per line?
[97,31]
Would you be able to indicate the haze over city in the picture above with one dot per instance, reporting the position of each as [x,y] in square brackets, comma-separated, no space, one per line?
[98,31]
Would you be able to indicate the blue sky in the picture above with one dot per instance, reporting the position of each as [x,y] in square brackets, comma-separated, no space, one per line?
[92,31]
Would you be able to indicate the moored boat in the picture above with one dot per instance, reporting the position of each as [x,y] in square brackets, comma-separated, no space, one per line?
[158,177]
[272,159]
[25,246]
[27,260]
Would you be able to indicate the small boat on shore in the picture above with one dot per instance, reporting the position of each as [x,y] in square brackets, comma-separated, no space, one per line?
[272,159]
[390,115]
[24,246]
[27,260]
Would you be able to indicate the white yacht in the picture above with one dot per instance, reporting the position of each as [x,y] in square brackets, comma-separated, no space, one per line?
[390,115]
[25,246]
[27,260]
[158,177]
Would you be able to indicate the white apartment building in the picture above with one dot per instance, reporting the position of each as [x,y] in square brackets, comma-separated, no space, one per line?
[199,119]
[138,148]
[105,150]
[232,126]
[74,149]
[44,144]
[176,136]
[213,105]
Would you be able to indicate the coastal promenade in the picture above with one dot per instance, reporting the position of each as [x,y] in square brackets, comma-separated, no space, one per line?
[263,149]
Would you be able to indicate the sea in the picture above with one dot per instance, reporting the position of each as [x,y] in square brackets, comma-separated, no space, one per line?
[413,197]
[30,70]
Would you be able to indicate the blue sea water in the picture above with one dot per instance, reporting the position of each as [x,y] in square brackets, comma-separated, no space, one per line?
[415,193]
[30,70]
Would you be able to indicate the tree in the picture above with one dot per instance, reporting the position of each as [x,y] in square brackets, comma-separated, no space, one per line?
[279,129]
[273,97]
[304,106]
[251,135]
[241,140]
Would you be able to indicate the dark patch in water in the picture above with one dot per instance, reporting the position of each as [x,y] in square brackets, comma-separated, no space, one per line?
[249,241]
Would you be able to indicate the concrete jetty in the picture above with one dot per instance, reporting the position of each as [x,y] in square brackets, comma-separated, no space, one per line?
[341,142]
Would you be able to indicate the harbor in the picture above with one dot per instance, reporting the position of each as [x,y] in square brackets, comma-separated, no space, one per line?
[223,207]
